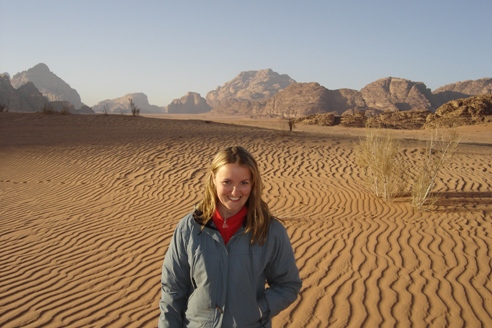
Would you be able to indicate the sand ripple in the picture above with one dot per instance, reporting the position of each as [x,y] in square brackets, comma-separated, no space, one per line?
[88,206]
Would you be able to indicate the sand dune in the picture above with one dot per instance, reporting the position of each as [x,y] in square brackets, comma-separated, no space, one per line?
[88,205]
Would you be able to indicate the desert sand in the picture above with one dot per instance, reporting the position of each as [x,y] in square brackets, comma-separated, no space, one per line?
[88,205]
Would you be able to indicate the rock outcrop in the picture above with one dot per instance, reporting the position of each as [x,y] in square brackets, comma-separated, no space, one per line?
[50,85]
[27,98]
[460,90]
[246,89]
[465,111]
[122,105]
[31,96]
[191,103]
[402,120]
[266,93]
[61,106]
[395,94]
[328,119]
[84,110]
[298,100]
[355,120]
[348,99]
[304,99]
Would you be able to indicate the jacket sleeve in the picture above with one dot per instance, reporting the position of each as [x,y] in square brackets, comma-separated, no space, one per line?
[175,280]
[282,275]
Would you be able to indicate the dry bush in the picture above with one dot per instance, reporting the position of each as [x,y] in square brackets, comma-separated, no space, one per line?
[439,151]
[65,110]
[48,110]
[292,123]
[135,110]
[378,155]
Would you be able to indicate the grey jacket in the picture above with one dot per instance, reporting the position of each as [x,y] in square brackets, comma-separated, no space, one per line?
[208,284]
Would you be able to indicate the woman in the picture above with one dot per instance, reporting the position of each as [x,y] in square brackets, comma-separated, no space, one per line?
[222,254]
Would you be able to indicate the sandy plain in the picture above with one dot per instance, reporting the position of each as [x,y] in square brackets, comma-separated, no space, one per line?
[88,205]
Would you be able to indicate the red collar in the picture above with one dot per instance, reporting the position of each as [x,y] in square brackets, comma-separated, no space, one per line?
[231,225]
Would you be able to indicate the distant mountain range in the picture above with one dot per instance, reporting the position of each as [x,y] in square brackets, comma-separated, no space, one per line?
[50,85]
[252,93]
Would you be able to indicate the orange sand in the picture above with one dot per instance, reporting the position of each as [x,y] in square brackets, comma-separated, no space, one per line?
[88,205]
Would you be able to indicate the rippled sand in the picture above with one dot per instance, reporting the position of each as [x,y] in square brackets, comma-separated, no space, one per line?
[88,205]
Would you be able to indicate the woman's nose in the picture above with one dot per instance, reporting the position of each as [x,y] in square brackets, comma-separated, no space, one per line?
[235,190]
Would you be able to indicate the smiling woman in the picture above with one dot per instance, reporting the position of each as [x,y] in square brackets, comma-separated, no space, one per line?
[224,253]
[233,184]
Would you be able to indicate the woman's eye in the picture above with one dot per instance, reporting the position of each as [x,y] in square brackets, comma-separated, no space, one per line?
[245,182]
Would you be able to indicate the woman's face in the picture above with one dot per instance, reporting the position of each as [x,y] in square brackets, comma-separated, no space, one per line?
[233,185]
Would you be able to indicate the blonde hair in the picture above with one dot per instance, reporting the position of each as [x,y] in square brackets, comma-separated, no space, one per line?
[259,216]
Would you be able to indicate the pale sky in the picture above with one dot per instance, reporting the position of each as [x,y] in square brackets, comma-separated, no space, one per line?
[106,49]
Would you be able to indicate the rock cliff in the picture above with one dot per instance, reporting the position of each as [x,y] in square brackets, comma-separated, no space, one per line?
[402,120]
[465,111]
[251,93]
[299,99]
[303,99]
[462,89]
[50,85]
[267,93]
[395,94]
[27,98]
[245,89]
[122,105]
[191,103]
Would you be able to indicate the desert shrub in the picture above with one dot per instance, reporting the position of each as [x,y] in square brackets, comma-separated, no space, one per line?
[135,110]
[65,110]
[438,153]
[292,123]
[105,109]
[4,108]
[379,157]
[48,110]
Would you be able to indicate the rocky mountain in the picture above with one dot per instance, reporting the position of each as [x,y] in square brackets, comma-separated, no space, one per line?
[326,119]
[191,103]
[402,120]
[122,105]
[464,111]
[304,99]
[246,89]
[267,93]
[462,89]
[254,93]
[50,85]
[299,99]
[26,98]
[394,94]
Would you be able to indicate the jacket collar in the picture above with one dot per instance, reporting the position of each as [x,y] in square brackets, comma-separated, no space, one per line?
[210,223]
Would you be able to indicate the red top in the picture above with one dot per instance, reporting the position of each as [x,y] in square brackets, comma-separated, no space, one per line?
[231,225]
